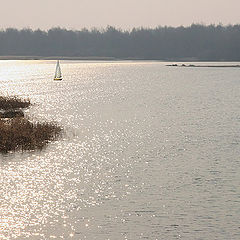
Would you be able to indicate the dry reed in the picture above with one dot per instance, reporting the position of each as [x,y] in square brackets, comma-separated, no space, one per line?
[21,134]
[7,103]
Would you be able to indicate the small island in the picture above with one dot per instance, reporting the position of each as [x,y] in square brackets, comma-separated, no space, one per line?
[17,132]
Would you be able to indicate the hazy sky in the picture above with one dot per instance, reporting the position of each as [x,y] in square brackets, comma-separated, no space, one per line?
[76,14]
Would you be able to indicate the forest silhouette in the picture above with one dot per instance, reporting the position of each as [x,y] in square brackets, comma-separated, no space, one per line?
[196,42]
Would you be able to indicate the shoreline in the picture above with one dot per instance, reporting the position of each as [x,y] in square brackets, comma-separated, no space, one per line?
[96,58]
[56,58]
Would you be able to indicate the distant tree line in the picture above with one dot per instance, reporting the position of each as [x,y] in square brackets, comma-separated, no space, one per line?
[196,42]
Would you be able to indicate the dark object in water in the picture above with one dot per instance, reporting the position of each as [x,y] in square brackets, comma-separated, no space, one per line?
[202,66]
[11,113]
[172,65]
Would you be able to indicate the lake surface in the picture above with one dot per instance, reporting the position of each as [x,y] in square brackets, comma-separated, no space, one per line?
[149,152]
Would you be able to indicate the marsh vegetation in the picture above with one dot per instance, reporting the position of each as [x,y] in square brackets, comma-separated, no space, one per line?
[17,132]
[9,103]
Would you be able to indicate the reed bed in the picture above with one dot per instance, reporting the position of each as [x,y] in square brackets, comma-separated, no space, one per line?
[22,134]
[8,103]
[17,132]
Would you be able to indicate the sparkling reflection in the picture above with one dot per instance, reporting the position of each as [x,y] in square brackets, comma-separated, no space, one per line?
[147,152]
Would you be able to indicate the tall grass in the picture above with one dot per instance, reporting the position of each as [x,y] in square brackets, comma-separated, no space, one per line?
[18,132]
[8,103]
[22,134]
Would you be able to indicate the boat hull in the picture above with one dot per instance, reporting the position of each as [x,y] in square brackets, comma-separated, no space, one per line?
[57,79]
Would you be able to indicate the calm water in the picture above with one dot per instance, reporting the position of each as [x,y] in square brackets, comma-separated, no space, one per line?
[150,152]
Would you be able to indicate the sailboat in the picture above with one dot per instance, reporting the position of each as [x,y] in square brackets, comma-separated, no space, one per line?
[58,74]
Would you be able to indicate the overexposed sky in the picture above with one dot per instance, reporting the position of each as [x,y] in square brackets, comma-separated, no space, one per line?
[76,14]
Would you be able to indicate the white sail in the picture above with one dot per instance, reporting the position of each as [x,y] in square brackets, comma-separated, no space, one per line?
[58,74]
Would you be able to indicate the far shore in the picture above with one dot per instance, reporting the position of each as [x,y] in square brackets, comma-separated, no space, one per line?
[97,58]
[56,58]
